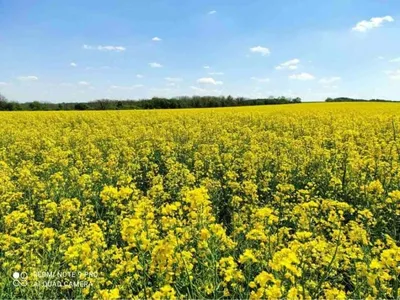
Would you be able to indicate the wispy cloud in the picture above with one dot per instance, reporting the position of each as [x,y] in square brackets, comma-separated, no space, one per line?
[132,87]
[173,79]
[289,65]
[73,64]
[333,87]
[394,75]
[330,80]
[365,25]
[302,76]
[395,60]
[209,80]
[139,76]
[156,39]
[260,79]
[216,73]
[105,48]
[262,50]
[155,65]
[84,83]
[2,83]
[28,78]
[198,90]
[206,67]
[212,12]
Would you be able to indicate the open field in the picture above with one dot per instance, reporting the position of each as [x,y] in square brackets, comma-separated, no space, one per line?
[291,201]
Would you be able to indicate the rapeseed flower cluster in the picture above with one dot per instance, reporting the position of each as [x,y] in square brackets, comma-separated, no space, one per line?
[295,202]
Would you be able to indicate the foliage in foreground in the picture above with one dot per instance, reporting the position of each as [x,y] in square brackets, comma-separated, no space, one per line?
[294,202]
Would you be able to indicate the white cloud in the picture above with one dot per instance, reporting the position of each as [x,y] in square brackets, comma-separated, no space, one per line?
[161,89]
[156,39]
[330,80]
[260,79]
[84,83]
[394,75]
[3,83]
[105,48]
[302,76]
[381,57]
[289,65]
[292,67]
[119,87]
[209,80]
[365,25]
[206,67]
[395,60]
[262,50]
[216,73]
[171,84]
[73,64]
[173,79]
[139,76]
[212,12]
[198,90]
[27,78]
[111,48]
[330,87]
[155,65]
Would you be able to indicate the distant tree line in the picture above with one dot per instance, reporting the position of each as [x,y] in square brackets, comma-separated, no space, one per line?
[346,99]
[153,103]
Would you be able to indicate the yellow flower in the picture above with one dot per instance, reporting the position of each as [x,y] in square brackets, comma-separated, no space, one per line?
[286,259]
[109,193]
[247,256]
[375,264]
[375,187]
[333,294]
[263,278]
[204,234]
[165,292]
[273,292]
[292,294]
[110,294]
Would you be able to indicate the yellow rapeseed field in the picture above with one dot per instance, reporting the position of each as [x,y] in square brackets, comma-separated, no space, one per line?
[292,201]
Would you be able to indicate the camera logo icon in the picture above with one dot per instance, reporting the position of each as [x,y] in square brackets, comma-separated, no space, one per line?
[20,278]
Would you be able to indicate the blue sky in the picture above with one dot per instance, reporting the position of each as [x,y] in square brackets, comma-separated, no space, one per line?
[88,49]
